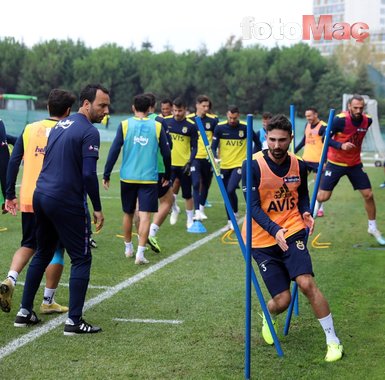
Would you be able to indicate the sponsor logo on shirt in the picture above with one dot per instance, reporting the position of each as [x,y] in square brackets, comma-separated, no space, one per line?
[39,150]
[143,141]
[291,179]
[64,124]
[93,147]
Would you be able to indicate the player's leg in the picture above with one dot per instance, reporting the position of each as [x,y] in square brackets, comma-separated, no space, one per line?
[206,178]
[186,184]
[360,181]
[148,204]
[19,260]
[128,195]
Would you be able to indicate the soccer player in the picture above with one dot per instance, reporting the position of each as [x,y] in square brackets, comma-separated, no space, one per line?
[344,158]
[184,136]
[59,202]
[165,107]
[201,170]
[30,147]
[280,215]
[230,137]
[165,194]
[261,134]
[141,138]
[313,143]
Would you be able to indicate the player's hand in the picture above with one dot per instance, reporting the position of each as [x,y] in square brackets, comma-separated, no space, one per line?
[165,182]
[98,220]
[309,221]
[187,168]
[280,239]
[106,184]
[347,146]
[11,206]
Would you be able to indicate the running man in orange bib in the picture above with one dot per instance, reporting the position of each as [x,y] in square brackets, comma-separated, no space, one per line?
[280,215]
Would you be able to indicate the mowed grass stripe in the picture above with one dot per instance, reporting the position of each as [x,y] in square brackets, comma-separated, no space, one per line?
[39,331]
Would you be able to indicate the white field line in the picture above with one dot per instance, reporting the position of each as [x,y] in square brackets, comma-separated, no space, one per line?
[166,321]
[15,344]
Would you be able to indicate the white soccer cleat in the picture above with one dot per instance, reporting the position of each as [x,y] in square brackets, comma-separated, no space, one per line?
[377,235]
[175,211]
[189,224]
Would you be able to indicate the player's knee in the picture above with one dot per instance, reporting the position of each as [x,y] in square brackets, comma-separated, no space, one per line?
[306,284]
[367,195]
[282,301]
[323,196]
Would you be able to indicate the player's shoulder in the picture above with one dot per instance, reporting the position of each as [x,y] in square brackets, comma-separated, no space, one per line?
[341,115]
[222,123]
[191,115]
[241,122]
[212,116]
[188,120]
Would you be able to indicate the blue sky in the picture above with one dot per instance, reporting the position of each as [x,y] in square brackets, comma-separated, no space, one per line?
[171,23]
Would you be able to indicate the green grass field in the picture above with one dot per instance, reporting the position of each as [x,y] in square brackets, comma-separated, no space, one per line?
[204,290]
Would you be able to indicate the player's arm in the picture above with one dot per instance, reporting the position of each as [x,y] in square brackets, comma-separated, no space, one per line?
[215,142]
[113,155]
[256,210]
[12,172]
[303,198]
[162,121]
[11,139]
[193,144]
[337,127]
[300,145]
[257,142]
[166,153]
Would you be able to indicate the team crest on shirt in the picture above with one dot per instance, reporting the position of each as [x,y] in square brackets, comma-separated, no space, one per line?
[208,125]
[300,245]
[239,171]
[184,130]
[241,133]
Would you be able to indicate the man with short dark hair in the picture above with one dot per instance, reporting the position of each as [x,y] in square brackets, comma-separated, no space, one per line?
[201,170]
[230,137]
[280,216]
[344,158]
[30,148]
[141,138]
[68,175]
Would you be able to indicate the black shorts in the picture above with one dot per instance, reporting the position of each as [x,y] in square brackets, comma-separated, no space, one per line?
[311,166]
[28,227]
[162,190]
[279,268]
[332,174]
[145,193]
[185,181]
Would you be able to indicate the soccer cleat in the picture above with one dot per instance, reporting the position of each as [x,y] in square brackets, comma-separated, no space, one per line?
[6,291]
[377,235]
[82,327]
[203,215]
[189,224]
[335,352]
[93,243]
[175,211]
[266,334]
[53,307]
[320,213]
[153,243]
[141,261]
[24,320]
[229,226]
[208,204]
[382,186]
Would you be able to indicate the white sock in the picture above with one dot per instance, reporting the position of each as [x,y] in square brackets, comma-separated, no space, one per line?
[12,275]
[153,229]
[190,215]
[140,252]
[328,326]
[321,207]
[48,296]
[174,204]
[202,208]
[372,225]
[129,246]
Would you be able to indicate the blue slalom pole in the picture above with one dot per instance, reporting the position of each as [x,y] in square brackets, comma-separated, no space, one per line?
[218,177]
[312,204]
[292,120]
[249,185]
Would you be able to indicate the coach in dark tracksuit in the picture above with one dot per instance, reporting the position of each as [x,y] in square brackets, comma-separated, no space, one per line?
[68,175]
